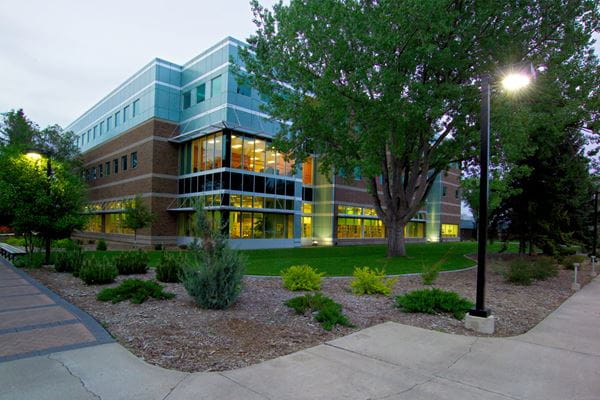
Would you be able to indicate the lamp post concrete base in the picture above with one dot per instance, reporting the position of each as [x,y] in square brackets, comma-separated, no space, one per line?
[575,286]
[480,324]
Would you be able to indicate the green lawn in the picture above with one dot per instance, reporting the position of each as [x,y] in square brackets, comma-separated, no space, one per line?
[340,261]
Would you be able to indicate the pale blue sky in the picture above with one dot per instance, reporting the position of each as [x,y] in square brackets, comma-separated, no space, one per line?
[59,57]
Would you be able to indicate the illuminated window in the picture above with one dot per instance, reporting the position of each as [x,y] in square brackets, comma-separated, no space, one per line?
[349,210]
[307,172]
[219,150]
[307,208]
[258,225]
[306,227]
[280,164]
[246,225]
[236,151]
[374,228]
[349,228]
[234,225]
[94,224]
[414,230]
[247,201]
[248,153]
[235,200]
[259,155]
[271,159]
[449,230]
[370,212]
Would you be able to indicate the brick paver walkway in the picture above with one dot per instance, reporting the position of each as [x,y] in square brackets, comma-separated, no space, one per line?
[35,321]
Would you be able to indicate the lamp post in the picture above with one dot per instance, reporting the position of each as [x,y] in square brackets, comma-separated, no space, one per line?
[514,80]
[36,154]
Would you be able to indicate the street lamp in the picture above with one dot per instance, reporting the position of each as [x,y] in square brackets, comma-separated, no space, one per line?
[515,79]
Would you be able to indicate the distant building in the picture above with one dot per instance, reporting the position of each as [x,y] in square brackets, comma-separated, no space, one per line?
[467,229]
[180,134]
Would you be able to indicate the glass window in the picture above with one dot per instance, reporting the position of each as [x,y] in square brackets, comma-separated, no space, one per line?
[200,93]
[349,210]
[209,152]
[236,181]
[107,168]
[449,230]
[248,183]
[94,176]
[270,185]
[100,171]
[215,86]
[307,208]
[187,99]
[259,184]
[236,151]
[117,118]
[235,200]
[271,159]
[95,130]
[349,228]
[218,161]
[306,227]
[89,135]
[247,201]
[259,202]
[246,225]
[259,155]
[196,155]
[269,202]
[244,89]
[248,153]
[370,212]
[134,161]
[124,163]
[101,128]
[280,166]
[373,228]
[108,124]
[280,187]
[307,171]
[258,224]
[125,113]
[444,190]
[235,225]
[116,165]
[289,226]
[136,107]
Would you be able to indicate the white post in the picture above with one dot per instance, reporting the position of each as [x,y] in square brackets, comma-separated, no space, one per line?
[593,273]
[575,285]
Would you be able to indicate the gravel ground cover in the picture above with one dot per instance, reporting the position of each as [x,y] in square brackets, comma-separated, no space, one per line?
[178,335]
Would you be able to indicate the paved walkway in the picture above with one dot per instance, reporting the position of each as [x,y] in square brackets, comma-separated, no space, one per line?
[35,321]
[558,359]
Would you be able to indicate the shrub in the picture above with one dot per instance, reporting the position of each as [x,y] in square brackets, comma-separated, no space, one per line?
[69,261]
[169,267]
[91,241]
[432,301]
[158,247]
[135,290]
[62,243]
[301,277]
[214,275]
[214,280]
[98,271]
[32,260]
[431,272]
[568,261]
[543,268]
[15,241]
[132,262]
[183,246]
[371,281]
[101,245]
[519,272]
[328,312]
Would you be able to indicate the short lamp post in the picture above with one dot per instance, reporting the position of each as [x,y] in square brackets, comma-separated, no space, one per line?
[35,155]
[519,77]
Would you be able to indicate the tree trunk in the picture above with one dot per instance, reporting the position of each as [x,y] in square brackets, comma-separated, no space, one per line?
[395,240]
[48,244]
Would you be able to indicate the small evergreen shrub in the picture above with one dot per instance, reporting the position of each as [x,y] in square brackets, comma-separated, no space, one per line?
[70,260]
[98,271]
[132,262]
[301,277]
[213,276]
[519,272]
[135,290]
[431,272]
[101,245]
[432,301]
[62,243]
[326,311]
[543,268]
[15,241]
[568,261]
[371,281]
[169,267]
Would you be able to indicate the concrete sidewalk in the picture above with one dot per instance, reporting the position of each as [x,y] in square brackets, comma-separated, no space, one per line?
[558,359]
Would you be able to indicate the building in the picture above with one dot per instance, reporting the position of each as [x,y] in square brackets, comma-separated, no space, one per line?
[179,134]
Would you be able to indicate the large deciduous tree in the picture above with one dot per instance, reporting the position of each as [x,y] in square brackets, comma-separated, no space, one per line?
[390,87]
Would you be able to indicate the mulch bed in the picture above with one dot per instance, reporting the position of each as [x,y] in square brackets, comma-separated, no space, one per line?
[177,334]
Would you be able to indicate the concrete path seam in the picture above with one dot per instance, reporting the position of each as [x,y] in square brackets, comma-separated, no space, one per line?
[74,376]
[245,387]
[176,385]
[516,339]
[39,326]
[478,388]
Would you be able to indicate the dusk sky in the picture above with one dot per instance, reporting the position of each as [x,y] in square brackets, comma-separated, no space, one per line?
[58,58]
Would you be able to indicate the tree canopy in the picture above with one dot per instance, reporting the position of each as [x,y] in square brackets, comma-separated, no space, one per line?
[391,87]
[137,215]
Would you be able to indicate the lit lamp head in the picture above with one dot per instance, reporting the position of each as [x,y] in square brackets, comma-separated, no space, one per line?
[518,77]
[33,155]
